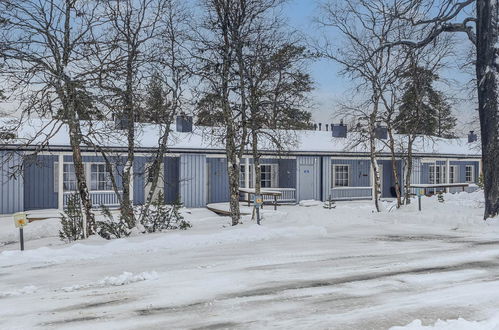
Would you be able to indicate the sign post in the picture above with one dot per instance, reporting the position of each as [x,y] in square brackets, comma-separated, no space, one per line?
[20,221]
[420,194]
[258,205]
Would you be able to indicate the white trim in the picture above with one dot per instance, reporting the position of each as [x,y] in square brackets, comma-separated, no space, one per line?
[60,183]
[333,182]
[473,179]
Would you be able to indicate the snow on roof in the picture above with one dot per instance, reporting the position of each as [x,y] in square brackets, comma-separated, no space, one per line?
[35,131]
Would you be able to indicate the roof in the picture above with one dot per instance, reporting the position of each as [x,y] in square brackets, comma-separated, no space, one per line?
[204,139]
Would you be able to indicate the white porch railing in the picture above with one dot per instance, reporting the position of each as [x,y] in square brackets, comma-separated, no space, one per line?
[288,195]
[350,193]
[98,198]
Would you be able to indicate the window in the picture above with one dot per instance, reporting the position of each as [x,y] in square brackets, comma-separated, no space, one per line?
[266,176]
[453,174]
[470,174]
[242,176]
[269,176]
[341,175]
[438,174]
[69,178]
[99,177]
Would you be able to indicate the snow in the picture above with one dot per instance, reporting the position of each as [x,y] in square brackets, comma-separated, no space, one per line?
[309,202]
[123,279]
[305,268]
[201,138]
[459,324]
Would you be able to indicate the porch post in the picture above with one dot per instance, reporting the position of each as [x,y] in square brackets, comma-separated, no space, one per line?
[247,176]
[60,182]
[131,183]
[447,174]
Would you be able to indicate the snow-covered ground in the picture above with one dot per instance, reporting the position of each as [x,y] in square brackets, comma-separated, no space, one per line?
[306,267]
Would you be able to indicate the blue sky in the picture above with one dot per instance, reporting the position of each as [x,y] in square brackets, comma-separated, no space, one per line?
[331,87]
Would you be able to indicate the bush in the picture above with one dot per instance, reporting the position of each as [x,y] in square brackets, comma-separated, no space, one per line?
[110,228]
[160,216]
[72,221]
[440,196]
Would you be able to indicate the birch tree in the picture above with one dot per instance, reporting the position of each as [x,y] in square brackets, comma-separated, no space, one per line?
[123,54]
[363,30]
[42,44]
[227,30]
[478,20]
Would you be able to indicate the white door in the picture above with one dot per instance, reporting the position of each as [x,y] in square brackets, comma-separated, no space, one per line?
[148,178]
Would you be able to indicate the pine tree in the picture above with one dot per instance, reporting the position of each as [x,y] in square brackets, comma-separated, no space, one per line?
[445,120]
[424,110]
[72,221]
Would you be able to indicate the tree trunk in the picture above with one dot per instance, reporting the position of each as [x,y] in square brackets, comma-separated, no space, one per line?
[408,172]
[233,171]
[75,140]
[126,205]
[487,71]
[256,165]
[394,166]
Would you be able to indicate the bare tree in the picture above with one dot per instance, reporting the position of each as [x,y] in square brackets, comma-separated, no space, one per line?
[123,55]
[277,83]
[479,20]
[227,30]
[363,30]
[42,44]
[174,69]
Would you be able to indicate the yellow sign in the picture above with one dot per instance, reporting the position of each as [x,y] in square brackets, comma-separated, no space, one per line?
[20,219]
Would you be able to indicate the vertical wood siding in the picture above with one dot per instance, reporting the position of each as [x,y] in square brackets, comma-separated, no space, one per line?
[360,171]
[39,192]
[287,173]
[326,178]
[218,180]
[171,176]
[11,189]
[193,180]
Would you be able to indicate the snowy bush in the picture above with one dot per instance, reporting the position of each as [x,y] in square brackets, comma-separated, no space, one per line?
[110,228]
[160,216]
[72,221]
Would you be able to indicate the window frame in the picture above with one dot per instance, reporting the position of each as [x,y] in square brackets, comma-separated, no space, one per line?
[106,173]
[472,180]
[333,181]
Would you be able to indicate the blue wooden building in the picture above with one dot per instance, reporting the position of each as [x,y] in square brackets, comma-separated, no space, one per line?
[322,165]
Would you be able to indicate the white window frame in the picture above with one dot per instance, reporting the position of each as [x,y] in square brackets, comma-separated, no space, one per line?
[453,174]
[274,176]
[472,174]
[333,182]
[242,175]
[105,172]
[441,178]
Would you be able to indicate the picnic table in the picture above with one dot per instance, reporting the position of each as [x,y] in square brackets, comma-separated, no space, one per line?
[263,192]
[440,185]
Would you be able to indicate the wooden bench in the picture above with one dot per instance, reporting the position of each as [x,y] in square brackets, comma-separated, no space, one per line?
[263,192]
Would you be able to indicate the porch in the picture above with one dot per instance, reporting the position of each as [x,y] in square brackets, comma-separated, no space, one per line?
[350,193]
[98,198]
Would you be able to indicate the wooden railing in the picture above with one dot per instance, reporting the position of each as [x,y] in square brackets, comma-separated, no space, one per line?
[288,195]
[350,193]
[98,198]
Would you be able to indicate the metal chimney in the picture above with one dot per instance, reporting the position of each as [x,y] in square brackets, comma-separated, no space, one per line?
[472,137]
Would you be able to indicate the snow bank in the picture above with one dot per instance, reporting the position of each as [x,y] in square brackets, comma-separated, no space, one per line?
[310,202]
[152,243]
[123,279]
[25,290]
[459,324]
[34,230]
